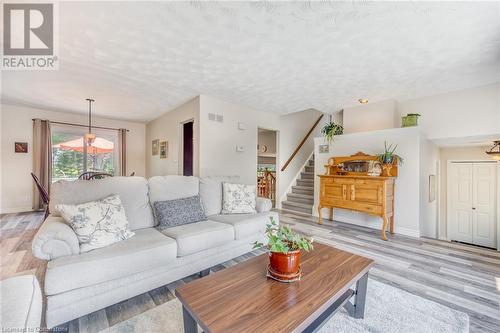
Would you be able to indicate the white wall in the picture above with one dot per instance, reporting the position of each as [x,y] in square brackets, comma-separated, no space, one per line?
[407,208]
[293,128]
[471,112]
[268,139]
[456,154]
[429,165]
[370,117]
[17,125]
[168,127]
[467,113]
[218,141]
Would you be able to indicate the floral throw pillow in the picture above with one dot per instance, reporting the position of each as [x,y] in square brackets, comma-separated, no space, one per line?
[238,198]
[97,223]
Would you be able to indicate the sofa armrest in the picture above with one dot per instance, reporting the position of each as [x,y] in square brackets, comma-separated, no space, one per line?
[55,239]
[263,205]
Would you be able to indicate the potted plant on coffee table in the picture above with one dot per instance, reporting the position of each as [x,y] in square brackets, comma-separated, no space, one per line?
[284,247]
[389,158]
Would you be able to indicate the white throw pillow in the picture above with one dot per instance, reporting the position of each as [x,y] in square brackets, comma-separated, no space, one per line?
[97,223]
[211,192]
[238,198]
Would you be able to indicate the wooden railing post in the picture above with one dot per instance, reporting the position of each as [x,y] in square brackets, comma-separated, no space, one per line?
[301,143]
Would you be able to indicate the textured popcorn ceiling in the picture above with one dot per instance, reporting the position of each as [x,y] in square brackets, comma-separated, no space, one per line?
[139,60]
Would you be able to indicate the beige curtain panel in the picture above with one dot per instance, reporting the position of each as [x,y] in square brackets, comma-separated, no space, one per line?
[122,146]
[42,158]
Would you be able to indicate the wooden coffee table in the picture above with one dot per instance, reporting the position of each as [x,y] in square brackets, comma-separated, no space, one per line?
[242,299]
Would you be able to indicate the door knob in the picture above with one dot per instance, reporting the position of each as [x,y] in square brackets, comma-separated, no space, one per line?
[473,208]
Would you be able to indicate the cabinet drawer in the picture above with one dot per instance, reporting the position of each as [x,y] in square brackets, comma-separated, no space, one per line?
[367,208]
[324,180]
[343,180]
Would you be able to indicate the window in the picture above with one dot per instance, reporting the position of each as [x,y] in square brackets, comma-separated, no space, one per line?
[71,156]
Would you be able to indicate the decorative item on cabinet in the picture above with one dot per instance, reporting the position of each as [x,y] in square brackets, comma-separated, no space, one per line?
[388,159]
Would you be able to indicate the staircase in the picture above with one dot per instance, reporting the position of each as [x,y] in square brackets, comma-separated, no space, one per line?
[302,197]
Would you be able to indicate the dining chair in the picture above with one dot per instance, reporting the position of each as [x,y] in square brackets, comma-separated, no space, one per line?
[90,175]
[44,194]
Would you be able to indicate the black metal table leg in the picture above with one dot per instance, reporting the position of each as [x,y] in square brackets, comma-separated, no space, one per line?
[204,273]
[190,325]
[357,310]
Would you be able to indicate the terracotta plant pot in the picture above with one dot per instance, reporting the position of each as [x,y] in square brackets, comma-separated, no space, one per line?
[285,263]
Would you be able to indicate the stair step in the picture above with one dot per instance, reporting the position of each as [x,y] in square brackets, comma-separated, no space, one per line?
[309,169]
[306,175]
[303,189]
[300,198]
[300,207]
[295,212]
[306,182]
[311,163]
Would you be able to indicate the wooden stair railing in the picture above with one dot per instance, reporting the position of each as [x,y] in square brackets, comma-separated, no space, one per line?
[301,143]
[267,185]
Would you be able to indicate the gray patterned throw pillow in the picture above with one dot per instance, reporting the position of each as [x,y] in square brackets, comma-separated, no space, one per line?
[171,213]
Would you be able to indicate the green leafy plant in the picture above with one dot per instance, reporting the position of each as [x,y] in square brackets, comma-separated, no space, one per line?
[283,239]
[389,155]
[330,129]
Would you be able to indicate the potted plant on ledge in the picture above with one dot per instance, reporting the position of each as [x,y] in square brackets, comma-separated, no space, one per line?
[330,129]
[284,247]
[389,158]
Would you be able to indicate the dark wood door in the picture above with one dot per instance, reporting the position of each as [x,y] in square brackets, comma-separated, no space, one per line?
[187,159]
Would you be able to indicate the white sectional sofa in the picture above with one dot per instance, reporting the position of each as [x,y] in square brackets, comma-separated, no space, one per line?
[80,283]
[20,304]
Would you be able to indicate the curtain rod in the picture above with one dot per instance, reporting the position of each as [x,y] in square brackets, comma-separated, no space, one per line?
[72,124]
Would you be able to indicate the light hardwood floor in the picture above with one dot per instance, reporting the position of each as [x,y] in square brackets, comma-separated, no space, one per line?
[463,277]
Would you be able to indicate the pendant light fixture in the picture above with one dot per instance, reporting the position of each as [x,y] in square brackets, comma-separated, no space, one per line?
[90,137]
[494,151]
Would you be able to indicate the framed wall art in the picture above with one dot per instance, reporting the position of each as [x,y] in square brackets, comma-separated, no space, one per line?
[163,149]
[155,147]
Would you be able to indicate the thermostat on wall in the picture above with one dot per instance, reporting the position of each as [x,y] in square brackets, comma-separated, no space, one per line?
[240,148]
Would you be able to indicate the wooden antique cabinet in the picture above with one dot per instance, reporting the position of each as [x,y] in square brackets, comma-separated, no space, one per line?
[357,191]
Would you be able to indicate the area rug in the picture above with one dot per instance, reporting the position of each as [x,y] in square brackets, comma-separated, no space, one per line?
[388,309]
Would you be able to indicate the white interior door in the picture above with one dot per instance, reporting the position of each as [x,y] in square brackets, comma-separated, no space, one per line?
[460,192]
[484,204]
[472,214]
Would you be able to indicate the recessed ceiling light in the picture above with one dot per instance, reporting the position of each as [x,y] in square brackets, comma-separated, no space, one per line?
[363,101]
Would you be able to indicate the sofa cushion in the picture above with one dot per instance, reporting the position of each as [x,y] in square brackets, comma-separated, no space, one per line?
[244,225]
[21,304]
[148,249]
[133,192]
[199,236]
[163,188]
[171,213]
[211,192]
[97,223]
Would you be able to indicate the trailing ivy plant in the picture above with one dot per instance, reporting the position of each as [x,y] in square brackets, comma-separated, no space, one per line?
[283,239]
[389,155]
[330,129]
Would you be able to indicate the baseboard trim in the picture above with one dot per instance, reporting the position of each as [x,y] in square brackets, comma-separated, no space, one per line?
[398,230]
[16,210]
